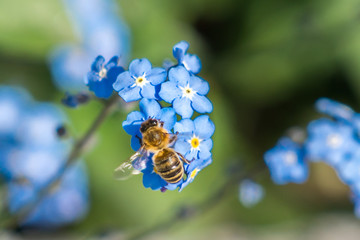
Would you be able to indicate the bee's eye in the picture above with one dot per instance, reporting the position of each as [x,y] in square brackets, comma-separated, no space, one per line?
[153,122]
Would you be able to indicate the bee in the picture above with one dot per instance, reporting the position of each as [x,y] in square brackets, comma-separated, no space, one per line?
[156,140]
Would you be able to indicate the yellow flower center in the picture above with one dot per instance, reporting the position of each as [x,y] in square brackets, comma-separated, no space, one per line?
[194,172]
[103,73]
[195,142]
[141,81]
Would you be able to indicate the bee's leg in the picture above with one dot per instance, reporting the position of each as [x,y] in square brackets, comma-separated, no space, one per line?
[173,138]
[182,158]
[140,139]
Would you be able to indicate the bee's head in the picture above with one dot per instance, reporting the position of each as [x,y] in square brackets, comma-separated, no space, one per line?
[151,122]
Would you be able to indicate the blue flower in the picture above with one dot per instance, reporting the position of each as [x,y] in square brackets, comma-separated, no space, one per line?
[73,100]
[67,203]
[334,109]
[192,169]
[186,92]
[250,193]
[148,108]
[330,141]
[140,81]
[101,77]
[286,162]
[194,140]
[191,62]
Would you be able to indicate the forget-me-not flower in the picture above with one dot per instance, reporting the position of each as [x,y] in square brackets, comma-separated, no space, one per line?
[102,76]
[250,193]
[192,169]
[139,81]
[330,141]
[194,140]
[334,109]
[191,62]
[186,92]
[286,162]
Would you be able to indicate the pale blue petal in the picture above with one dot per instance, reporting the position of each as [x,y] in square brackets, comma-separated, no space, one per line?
[168,116]
[192,63]
[169,91]
[157,76]
[148,91]
[179,75]
[181,146]
[150,108]
[179,50]
[205,148]
[98,64]
[130,94]
[135,143]
[192,155]
[139,67]
[199,85]
[124,80]
[204,127]
[113,62]
[132,123]
[183,107]
[185,126]
[201,104]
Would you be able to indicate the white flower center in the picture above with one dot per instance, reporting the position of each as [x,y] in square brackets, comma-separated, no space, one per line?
[195,143]
[290,158]
[334,140]
[102,73]
[187,92]
[141,81]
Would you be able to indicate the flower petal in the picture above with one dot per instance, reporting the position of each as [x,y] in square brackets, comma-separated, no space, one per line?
[157,76]
[168,116]
[201,104]
[182,146]
[192,155]
[124,80]
[130,94]
[139,67]
[135,143]
[148,91]
[179,75]
[98,63]
[113,73]
[205,148]
[192,63]
[132,123]
[204,127]
[179,50]
[185,126]
[199,85]
[169,91]
[153,181]
[183,107]
[150,108]
[113,62]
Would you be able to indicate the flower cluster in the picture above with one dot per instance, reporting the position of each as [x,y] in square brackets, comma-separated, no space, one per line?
[183,92]
[100,30]
[32,154]
[333,141]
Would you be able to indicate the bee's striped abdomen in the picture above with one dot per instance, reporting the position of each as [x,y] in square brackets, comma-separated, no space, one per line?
[168,165]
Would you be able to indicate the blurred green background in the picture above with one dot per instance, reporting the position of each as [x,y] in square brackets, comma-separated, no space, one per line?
[266,62]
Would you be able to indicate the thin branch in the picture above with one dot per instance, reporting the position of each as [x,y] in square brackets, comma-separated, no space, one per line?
[11,220]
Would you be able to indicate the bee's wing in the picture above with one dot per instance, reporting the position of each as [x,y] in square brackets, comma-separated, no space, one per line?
[132,166]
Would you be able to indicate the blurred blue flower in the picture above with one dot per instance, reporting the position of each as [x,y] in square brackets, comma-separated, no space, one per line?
[186,92]
[330,141]
[194,140]
[334,109]
[286,162]
[67,203]
[191,171]
[149,108]
[13,101]
[38,126]
[101,77]
[191,62]
[140,81]
[250,193]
